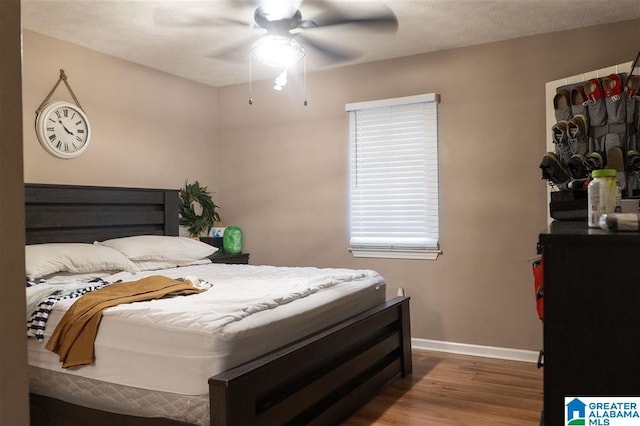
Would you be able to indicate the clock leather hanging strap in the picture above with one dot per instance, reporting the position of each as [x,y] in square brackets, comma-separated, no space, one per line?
[63,77]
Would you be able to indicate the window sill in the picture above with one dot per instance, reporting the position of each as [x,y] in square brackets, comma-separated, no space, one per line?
[397,254]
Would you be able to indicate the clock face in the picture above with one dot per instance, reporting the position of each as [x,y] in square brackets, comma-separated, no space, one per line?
[63,129]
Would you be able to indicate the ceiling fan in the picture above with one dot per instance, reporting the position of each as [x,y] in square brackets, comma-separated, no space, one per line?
[281,34]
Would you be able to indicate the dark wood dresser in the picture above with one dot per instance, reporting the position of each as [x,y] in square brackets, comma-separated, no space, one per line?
[591,314]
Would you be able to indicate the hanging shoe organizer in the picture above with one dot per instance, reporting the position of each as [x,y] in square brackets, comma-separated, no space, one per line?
[597,126]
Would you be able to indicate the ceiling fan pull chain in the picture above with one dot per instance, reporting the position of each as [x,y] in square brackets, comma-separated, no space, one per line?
[304,79]
[63,77]
[250,88]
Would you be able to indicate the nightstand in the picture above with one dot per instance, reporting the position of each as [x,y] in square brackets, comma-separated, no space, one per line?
[222,257]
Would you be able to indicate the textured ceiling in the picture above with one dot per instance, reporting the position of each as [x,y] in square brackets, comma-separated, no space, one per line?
[183,37]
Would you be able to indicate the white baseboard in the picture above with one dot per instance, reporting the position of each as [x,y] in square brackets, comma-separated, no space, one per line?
[475,350]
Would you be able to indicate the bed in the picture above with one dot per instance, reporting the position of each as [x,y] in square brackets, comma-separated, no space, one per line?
[319,377]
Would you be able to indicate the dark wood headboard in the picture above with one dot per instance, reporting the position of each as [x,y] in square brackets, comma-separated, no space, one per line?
[73,213]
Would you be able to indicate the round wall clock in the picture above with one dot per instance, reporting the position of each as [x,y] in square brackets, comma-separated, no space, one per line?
[63,129]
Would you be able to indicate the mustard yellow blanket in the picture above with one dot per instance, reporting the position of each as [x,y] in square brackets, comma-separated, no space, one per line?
[75,334]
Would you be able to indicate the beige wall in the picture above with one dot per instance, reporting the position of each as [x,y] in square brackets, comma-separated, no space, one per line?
[150,129]
[284,174]
[13,353]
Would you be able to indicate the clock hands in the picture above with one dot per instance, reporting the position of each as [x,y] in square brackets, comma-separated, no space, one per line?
[65,127]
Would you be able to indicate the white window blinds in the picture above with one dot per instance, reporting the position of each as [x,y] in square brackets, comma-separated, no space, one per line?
[394,177]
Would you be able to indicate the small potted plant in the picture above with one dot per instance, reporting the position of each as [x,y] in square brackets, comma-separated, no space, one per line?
[197,209]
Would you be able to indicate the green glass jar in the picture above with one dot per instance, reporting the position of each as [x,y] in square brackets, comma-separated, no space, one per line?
[232,240]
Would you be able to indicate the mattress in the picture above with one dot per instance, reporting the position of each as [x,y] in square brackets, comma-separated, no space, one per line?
[173,346]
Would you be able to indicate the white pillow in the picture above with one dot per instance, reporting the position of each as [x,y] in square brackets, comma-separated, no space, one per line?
[150,265]
[46,259]
[161,248]
[65,277]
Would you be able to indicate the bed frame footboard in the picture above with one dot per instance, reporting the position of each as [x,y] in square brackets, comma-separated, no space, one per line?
[321,379]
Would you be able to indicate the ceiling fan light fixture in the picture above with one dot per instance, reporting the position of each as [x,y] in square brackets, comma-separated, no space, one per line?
[277,51]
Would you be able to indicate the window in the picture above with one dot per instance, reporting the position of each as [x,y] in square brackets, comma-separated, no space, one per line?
[394,177]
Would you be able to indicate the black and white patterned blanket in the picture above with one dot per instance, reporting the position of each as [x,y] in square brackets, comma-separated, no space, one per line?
[38,319]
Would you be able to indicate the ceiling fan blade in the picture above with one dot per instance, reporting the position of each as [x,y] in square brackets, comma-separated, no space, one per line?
[185,17]
[331,53]
[236,52]
[382,19]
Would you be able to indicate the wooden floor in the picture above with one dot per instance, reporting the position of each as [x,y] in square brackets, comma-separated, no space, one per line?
[449,389]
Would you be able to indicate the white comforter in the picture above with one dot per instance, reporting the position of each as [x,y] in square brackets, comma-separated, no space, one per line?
[233,295]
